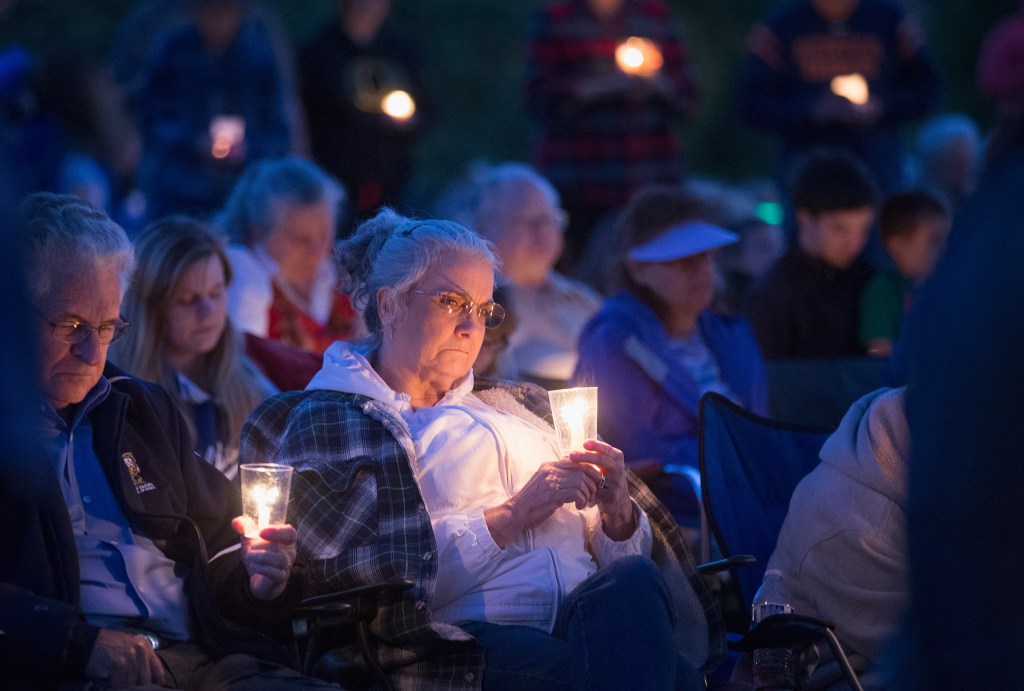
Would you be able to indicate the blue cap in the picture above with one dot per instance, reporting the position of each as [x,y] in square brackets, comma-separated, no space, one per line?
[683,240]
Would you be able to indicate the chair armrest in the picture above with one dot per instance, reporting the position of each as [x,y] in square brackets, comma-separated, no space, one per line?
[719,565]
[789,630]
[784,631]
[358,603]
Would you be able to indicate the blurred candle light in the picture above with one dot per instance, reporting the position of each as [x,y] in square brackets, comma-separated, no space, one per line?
[852,87]
[226,132]
[399,105]
[638,56]
[575,416]
[265,494]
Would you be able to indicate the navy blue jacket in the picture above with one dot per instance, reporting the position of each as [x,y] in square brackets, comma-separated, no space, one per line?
[176,499]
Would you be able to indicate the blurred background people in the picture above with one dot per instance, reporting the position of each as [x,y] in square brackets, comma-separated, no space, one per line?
[518,210]
[282,219]
[181,336]
[948,157]
[808,305]
[913,227]
[1001,79]
[496,339]
[366,103]
[100,144]
[211,101]
[30,140]
[839,73]
[142,29]
[655,347]
[607,82]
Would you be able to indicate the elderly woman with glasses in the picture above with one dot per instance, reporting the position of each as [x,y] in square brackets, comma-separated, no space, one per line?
[531,569]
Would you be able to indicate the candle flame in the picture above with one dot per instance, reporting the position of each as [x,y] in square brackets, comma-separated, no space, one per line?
[574,413]
[399,105]
[226,132]
[852,87]
[264,496]
[639,56]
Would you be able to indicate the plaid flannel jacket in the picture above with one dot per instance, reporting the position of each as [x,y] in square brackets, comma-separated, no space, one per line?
[361,520]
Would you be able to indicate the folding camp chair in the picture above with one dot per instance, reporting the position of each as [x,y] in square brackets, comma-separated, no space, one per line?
[749,467]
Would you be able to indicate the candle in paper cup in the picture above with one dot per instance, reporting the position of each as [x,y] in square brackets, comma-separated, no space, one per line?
[575,416]
[264,494]
[226,132]
[638,56]
[852,87]
[264,497]
[399,105]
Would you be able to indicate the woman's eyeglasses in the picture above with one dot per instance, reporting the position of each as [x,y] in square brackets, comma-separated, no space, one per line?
[490,313]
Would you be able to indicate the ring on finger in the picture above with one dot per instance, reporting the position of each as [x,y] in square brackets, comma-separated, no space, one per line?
[604,481]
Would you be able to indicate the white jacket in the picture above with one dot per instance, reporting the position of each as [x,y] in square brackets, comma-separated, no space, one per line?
[842,548]
[468,456]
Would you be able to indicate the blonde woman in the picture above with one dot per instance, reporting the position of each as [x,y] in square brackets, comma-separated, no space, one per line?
[182,338]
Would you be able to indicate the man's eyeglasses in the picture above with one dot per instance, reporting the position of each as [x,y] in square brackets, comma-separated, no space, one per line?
[74,331]
[490,313]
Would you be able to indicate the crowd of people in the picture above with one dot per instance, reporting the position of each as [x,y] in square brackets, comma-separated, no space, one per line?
[223,273]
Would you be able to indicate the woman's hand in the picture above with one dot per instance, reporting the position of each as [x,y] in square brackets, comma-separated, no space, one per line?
[268,558]
[555,483]
[612,496]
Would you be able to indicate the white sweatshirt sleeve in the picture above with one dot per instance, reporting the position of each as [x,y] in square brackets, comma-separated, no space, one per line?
[606,550]
[467,554]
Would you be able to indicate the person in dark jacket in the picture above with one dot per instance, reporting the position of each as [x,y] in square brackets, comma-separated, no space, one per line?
[366,103]
[843,73]
[808,306]
[124,564]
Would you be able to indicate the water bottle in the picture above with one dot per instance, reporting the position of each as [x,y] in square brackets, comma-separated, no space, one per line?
[774,668]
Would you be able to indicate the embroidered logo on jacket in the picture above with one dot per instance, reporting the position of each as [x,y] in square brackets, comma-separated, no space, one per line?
[133,470]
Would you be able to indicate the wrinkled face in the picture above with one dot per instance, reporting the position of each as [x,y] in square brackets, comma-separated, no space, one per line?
[301,240]
[198,310]
[686,286]
[87,294]
[915,255]
[527,229]
[835,237]
[424,339]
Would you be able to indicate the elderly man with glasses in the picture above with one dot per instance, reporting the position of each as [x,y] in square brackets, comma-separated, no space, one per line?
[124,560]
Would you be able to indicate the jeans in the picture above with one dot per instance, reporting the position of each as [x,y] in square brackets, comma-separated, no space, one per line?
[614,631]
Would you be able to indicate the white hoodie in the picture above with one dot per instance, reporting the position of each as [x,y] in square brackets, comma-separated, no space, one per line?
[467,457]
[842,548]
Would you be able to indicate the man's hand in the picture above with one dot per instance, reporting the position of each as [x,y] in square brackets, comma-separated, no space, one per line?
[122,659]
[268,558]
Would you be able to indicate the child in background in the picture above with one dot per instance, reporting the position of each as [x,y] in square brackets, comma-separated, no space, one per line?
[808,305]
[913,227]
